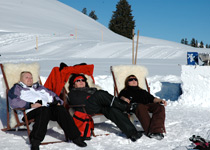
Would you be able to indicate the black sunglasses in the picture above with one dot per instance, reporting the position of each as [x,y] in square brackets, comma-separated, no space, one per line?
[79,80]
[132,79]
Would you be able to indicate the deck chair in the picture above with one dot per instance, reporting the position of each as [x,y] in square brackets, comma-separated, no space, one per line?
[58,82]
[11,75]
[119,74]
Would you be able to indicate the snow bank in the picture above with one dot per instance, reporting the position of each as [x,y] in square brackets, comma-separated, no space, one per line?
[195,85]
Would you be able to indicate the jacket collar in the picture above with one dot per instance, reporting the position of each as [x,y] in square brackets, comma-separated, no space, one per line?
[35,85]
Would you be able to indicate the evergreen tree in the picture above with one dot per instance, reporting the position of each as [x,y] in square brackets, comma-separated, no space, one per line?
[93,15]
[196,43]
[84,11]
[185,41]
[122,20]
[192,42]
[182,41]
[207,46]
[201,45]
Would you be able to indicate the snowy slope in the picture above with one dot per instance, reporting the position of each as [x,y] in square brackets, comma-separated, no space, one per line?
[66,35]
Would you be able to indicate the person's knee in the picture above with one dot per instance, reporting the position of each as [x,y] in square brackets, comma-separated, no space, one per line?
[141,107]
[161,108]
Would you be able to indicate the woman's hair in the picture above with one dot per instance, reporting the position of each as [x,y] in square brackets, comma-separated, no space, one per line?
[71,80]
[127,80]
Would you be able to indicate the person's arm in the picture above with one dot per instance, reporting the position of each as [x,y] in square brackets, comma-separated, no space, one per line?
[160,101]
[123,96]
[35,105]
[14,98]
[125,99]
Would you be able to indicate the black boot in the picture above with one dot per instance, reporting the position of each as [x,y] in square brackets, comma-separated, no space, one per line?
[35,144]
[136,136]
[79,142]
[157,136]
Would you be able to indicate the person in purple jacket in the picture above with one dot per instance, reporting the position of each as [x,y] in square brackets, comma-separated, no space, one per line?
[42,105]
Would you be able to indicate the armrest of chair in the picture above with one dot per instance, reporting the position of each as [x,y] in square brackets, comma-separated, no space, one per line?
[73,106]
[24,114]
[76,106]
[22,109]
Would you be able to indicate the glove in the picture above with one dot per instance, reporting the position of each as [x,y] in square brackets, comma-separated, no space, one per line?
[39,101]
[62,65]
[54,103]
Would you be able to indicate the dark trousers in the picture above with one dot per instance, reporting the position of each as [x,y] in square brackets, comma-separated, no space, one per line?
[154,124]
[43,115]
[113,109]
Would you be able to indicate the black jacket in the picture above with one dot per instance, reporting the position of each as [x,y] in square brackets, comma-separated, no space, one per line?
[78,96]
[137,95]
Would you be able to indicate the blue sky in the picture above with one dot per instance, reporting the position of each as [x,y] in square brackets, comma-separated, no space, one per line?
[164,19]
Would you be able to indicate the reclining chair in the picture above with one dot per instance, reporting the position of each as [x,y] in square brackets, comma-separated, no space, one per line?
[11,75]
[58,79]
[119,74]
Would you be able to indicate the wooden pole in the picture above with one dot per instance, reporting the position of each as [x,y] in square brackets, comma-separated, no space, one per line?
[137,46]
[133,47]
[76,33]
[102,36]
[36,42]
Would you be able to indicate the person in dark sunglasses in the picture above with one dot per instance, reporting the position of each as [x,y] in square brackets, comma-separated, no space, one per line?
[100,101]
[153,126]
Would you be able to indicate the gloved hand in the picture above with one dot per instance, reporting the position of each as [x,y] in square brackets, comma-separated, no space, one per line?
[62,65]
[39,101]
[54,103]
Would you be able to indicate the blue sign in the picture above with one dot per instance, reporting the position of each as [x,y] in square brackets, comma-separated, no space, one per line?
[192,58]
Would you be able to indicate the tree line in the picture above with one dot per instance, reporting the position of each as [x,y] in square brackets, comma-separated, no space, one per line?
[194,43]
[91,14]
[121,21]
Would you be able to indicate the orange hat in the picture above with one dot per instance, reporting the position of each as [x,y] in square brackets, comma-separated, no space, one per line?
[77,78]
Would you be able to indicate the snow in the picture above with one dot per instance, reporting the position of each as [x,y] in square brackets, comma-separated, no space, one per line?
[66,35]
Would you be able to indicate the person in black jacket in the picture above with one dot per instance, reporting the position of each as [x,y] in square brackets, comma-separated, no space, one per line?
[153,126]
[100,101]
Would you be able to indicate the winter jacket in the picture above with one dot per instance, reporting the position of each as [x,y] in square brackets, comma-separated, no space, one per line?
[78,96]
[21,96]
[137,95]
[57,79]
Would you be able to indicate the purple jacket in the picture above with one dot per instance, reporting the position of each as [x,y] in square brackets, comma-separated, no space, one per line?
[14,95]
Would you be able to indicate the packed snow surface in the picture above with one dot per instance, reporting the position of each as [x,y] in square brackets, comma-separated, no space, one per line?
[49,32]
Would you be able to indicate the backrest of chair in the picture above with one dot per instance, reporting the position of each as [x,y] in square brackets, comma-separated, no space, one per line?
[11,75]
[12,72]
[121,72]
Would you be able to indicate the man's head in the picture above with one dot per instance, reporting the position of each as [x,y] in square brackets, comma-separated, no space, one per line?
[27,78]
[78,81]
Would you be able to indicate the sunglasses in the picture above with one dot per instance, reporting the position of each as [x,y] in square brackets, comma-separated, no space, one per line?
[80,80]
[132,79]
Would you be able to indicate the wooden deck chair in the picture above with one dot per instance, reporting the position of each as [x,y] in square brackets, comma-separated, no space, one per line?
[97,118]
[63,78]
[119,74]
[11,75]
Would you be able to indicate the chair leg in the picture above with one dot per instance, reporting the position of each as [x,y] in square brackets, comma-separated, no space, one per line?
[93,133]
[27,126]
